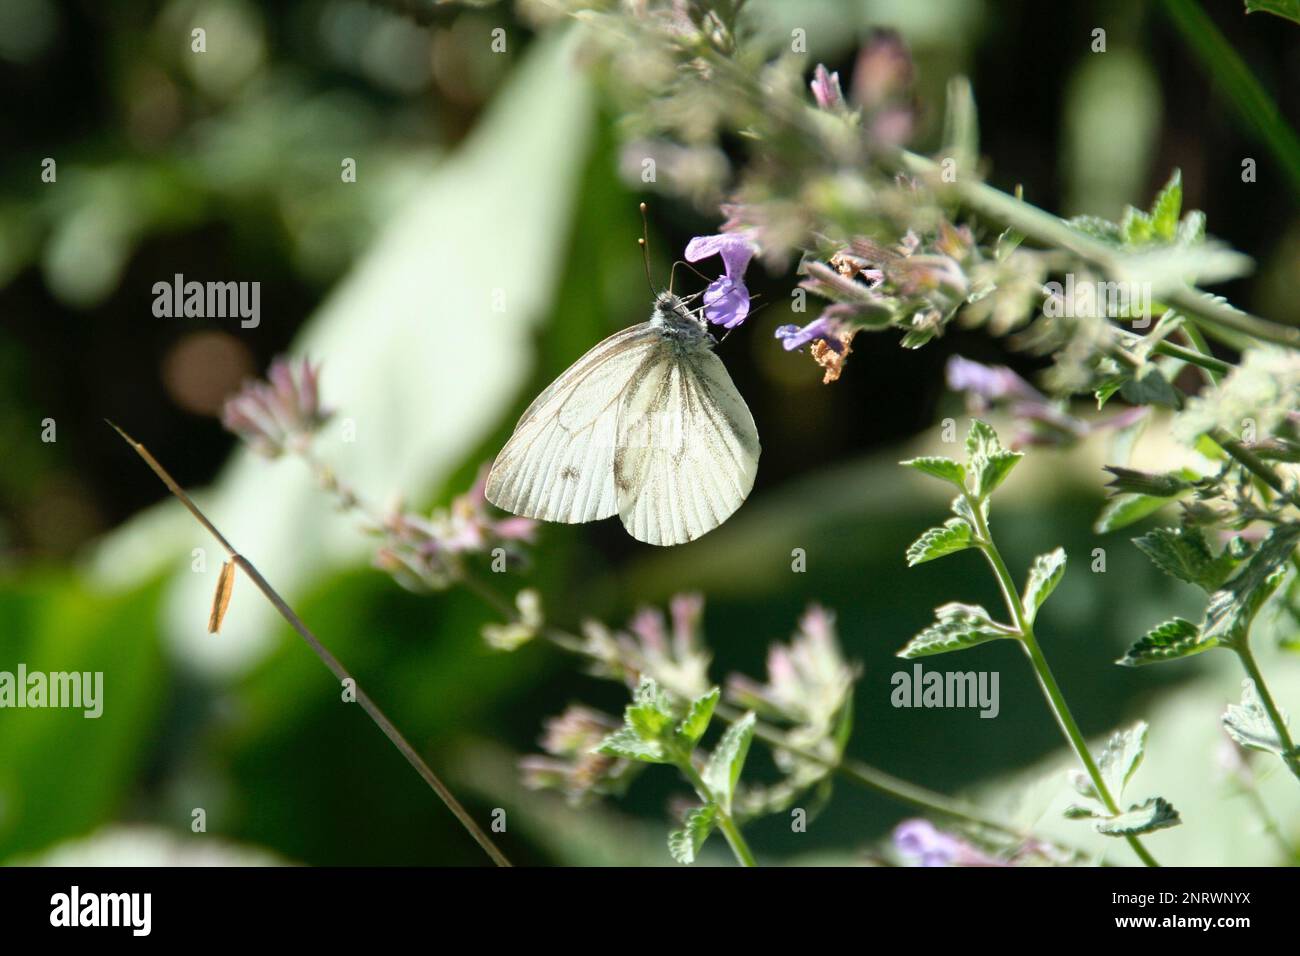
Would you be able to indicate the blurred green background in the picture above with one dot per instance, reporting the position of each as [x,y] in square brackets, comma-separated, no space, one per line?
[481,173]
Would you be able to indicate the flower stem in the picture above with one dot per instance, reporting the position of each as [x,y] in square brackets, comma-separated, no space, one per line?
[1290,756]
[1046,680]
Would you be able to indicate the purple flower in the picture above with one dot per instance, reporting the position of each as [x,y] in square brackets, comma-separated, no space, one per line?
[989,383]
[825,328]
[826,88]
[726,300]
[919,841]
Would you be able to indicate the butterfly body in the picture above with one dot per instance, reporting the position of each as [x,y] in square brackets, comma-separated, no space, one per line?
[647,425]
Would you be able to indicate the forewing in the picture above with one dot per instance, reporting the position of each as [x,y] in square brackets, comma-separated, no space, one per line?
[687,448]
[559,463]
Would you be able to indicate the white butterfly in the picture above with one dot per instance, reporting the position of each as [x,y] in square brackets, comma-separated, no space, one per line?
[646,425]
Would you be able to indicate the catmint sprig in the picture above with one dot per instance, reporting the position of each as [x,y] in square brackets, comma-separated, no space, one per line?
[958,626]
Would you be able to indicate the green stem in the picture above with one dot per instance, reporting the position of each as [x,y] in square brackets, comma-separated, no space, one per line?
[1247,657]
[1046,680]
[1215,315]
[744,855]
[858,772]
[1214,367]
[1201,349]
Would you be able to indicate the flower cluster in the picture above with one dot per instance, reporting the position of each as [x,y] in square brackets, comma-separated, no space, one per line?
[281,413]
[572,764]
[422,552]
[428,553]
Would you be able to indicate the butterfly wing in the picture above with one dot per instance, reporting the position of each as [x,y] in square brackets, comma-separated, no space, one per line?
[687,448]
[559,463]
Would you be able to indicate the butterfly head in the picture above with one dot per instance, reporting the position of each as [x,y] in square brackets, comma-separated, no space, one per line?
[678,320]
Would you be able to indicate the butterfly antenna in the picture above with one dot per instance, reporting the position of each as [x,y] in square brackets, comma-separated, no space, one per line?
[644,243]
[682,262]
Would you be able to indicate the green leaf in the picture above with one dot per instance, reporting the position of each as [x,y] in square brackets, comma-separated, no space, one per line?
[956,627]
[1166,642]
[1183,553]
[727,760]
[1097,228]
[1192,229]
[692,727]
[628,744]
[1167,208]
[1167,484]
[937,467]
[1121,756]
[651,712]
[1248,724]
[1232,608]
[954,536]
[685,844]
[1044,575]
[962,509]
[1155,814]
[1150,388]
[1288,9]
[1135,228]
[993,470]
[1124,510]
[981,440]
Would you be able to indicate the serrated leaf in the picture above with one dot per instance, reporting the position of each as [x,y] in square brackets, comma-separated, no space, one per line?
[1233,607]
[1135,228]
[1154,814]
[651,712]
[1150,388]
[696,722]
[961,508]
[1166,642]
[1124,510]
[981,440]
[938,467]
[993,470]
[1097,228]
[1192,229]
[1248,723]
[1044,575]
[685,844]
[1167,207]
[1184,553]
[728,759]
[956,627]
[628,744]
[1121,757]
[954,536]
